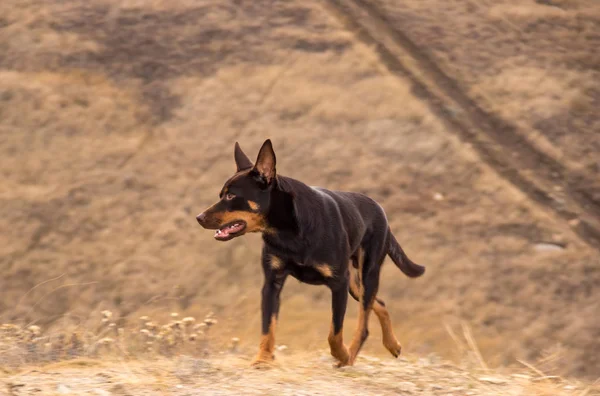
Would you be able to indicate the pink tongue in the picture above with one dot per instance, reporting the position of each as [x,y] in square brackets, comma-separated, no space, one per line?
[224,232]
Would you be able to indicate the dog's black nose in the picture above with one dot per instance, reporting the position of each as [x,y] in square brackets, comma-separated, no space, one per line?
[201,217]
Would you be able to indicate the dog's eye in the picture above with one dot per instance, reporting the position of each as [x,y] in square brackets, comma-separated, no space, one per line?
[229,196]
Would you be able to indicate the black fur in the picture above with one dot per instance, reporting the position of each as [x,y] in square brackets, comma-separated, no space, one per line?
[306,228]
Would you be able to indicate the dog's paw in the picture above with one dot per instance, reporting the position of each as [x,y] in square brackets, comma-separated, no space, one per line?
[261,365]
[343,363]
[341,355]
[263,362]
[394,347]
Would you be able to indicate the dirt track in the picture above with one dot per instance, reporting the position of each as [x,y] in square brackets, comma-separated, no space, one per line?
[499,141]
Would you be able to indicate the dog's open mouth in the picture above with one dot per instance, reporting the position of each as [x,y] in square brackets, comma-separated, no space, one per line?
[230,230]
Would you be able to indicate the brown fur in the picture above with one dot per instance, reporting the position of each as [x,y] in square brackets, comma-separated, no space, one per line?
[389,338]
[254,221]
[390,342]
[360,334]
[324,270]
[338,349]
[276,263]
[354,284]
[267,345]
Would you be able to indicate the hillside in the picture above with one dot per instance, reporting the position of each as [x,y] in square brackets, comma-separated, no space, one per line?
[117,125]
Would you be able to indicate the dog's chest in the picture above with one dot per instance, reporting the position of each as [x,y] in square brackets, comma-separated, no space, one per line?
[305,274]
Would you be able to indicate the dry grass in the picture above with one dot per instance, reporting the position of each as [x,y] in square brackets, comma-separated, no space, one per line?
[179,358]
[23,346]
[531,93]
[110,147]
[533,62]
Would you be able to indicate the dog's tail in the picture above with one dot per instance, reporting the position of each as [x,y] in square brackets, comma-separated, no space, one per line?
[401,260]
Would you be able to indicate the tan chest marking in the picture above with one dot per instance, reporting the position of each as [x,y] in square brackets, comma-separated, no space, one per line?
[276,263]
[324,270]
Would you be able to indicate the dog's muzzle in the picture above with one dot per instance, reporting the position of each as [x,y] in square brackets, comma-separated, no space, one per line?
[201,219]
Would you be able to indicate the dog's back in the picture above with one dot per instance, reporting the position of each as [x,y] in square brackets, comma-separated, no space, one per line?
[363,217]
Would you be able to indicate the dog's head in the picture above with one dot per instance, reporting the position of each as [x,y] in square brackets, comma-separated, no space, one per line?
[245,198]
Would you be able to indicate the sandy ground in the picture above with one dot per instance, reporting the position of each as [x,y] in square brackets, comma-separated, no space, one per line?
[310,374]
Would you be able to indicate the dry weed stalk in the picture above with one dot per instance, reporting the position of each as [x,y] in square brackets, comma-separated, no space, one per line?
[31,344]
[471,348]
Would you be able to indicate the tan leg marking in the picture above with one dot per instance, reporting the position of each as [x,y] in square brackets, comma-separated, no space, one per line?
[360,335]
[276,263]
[354,284]
[337,347]
[389,338]
[267,345]
[324,270]
[390,342]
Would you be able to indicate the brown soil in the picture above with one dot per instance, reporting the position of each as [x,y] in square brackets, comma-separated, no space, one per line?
[118,120]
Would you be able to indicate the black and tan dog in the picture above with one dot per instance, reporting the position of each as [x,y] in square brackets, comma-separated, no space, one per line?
[312,234]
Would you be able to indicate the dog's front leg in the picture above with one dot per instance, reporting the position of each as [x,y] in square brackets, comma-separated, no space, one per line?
[271,292]
[269,308]
[339,301]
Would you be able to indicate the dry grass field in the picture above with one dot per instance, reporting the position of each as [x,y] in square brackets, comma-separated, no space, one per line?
[532,62]
[117,125]
[229,374]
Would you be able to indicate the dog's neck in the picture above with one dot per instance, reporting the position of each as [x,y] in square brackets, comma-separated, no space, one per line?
[282,216]
[290,218]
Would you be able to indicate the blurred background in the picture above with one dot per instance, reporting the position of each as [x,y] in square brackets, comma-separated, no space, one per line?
[117,125]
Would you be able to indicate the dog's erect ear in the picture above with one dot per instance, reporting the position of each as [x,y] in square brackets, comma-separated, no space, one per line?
[265,163]
[241,160]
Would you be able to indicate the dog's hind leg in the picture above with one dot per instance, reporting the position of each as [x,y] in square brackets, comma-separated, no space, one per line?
[390,342]
[368,265]
[369,257]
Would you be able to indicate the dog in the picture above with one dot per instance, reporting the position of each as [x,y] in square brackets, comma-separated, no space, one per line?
[320,237]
